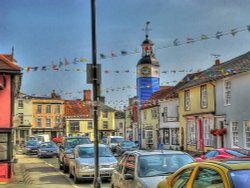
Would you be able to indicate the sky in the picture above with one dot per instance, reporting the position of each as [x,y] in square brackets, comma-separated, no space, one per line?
[52,41]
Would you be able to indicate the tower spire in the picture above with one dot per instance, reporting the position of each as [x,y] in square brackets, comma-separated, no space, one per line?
[147,29]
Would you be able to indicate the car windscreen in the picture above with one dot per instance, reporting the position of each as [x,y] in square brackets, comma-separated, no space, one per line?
[240,178]
[32,143]
[73,142]
[161,164]
[48,145]
[237,153]
[128,144]
[116,140]
[88,152]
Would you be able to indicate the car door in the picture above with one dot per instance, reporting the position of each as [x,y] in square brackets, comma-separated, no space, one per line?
[118,172]
[130,170]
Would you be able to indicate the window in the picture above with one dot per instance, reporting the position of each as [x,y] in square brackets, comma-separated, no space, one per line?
[191,133]
[154,113]
[175,132]
[182,178]
[204,96]
[208,139]
[90,125]
[3,146]
[38,122]
[187,100]
[105,114]
[227,89]
[48,122]
[74,126]
[57,109]
[149,136]
[145,115]
[121,125]
[247,133]
[20,116]
[165,114]
[105,124]
[20,103]
[48,109]
[166,138]
[207,177]
[58,121]
[39,109]
[235,133]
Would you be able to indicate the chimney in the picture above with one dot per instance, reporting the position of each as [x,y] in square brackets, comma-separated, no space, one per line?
[217,62]
[87,95]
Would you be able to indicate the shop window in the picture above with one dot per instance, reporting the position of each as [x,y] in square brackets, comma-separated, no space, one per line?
[3,146]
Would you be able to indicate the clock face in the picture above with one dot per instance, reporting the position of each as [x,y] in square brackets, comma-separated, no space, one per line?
[145,71]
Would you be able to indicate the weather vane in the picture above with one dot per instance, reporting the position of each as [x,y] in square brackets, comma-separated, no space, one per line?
[215,55]
[147,29]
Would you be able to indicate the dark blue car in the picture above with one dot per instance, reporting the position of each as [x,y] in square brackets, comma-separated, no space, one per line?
[31,147]
[48,149]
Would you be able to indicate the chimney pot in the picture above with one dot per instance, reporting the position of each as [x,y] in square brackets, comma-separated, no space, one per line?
[217,62]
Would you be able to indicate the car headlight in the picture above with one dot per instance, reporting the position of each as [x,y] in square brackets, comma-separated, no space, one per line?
[85,167]
[113,165]
[43,151]
[28,148]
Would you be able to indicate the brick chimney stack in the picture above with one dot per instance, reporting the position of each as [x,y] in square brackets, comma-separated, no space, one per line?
[217,62]
[87,95]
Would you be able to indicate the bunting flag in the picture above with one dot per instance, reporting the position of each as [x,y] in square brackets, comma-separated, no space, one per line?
[219,34]
[204,37]
[124,52]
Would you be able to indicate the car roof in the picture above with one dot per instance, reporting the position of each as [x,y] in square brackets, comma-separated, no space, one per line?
[91,145]
[115,136]
[69,137]
[230,164]
[155,152]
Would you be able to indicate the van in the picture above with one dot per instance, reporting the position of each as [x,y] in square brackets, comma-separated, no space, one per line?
[112,142]
[43,138]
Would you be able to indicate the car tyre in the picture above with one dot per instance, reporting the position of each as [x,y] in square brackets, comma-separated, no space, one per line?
[76,179]
[70,174]
[65,168]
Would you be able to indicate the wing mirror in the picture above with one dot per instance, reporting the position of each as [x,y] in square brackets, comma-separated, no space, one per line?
[128,177]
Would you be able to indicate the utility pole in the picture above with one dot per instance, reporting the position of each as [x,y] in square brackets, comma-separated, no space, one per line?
[96,85]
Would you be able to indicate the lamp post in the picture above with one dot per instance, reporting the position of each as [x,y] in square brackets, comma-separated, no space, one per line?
[97,179]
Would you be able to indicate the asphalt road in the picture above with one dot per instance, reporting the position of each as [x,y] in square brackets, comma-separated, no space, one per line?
[86,184]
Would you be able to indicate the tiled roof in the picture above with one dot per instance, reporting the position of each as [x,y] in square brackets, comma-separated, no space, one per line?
[76,108]
[7,66]
[234,66]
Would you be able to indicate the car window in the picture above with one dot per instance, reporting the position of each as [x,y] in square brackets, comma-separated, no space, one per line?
[122,163]
[128,144]
[182,178]
[73,142]
[32,143]
[116,140]
[48,145]
[236,153]
[130,165]
[206,177]
[211,154]
[88,152]
[240,178]
[161,164]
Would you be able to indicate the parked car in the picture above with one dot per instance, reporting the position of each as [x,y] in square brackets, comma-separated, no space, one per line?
[112,142]
[144,169]
[125,145]
[66,148]
[104,140]
[48,149]
[82,165]
[31,147]
[224,153]
[229,173]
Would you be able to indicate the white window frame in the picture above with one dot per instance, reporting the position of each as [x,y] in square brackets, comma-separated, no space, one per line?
[187,100]
[145,115]
[175,136]
[105,114]
[247,133]
[48,122]
[105,124]
[191,133]
[90,125]
[165,114]
[204,96]
[149,136]
[58,121]
[235,133]
[227,92]
[48,109]
[154,113]
[39,109]
[20,116]
[38,122]
[207,126]
[20,103]
[57,109]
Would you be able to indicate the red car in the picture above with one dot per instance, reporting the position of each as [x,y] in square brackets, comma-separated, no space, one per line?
[224,153]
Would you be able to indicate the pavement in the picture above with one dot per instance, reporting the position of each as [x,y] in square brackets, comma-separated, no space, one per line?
[31,172]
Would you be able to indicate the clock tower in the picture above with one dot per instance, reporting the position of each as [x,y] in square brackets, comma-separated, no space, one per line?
[148,76]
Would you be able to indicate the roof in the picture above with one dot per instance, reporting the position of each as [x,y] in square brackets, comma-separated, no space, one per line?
[148,59]
[234,66]
[76,108]
[105,107]
[6,65]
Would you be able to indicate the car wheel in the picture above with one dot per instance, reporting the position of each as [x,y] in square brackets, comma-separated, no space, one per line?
[70,174]
[76,179]
[65,168]
[112,186]
[60,164]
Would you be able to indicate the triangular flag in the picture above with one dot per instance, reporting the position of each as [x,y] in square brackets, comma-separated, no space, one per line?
[219,34]
[66,62]
[124,52]
[204,37]
[176,42]
[102,56]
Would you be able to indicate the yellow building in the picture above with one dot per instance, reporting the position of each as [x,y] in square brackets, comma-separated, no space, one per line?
[196,111]
[47,115]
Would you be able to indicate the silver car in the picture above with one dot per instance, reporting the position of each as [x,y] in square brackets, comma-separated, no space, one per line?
[82,164]
[145,169]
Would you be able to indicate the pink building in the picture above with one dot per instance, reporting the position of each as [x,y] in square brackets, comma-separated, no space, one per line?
[10,81]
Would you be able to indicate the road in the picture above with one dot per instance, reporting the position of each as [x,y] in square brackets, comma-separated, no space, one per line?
[86,184]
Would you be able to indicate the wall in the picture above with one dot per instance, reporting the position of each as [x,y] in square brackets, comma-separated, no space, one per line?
[5,104]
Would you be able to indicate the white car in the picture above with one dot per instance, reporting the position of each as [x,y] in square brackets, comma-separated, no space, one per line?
[82,164]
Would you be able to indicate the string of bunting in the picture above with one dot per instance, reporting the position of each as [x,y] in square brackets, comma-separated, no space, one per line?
[59,66]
